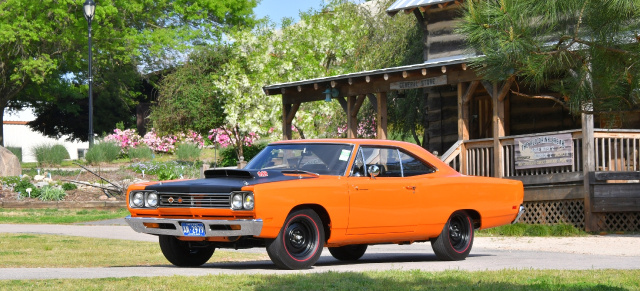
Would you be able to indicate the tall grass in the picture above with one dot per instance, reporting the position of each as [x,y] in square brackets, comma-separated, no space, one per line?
[142,153]
[16,151]
[188,152]
[521,229]
[103,152]
[50,155]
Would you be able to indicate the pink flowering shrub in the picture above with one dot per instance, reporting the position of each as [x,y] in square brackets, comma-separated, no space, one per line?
[233,137]
[128,139]
[366,129]
[226,137]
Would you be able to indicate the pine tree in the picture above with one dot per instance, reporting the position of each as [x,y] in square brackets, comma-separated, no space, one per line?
[584,54]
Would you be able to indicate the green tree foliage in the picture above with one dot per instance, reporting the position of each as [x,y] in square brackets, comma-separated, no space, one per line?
[188,97]
[341,38]
[584,50]
[44,40]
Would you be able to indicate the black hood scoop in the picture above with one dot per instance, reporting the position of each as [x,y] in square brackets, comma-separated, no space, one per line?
[224,181]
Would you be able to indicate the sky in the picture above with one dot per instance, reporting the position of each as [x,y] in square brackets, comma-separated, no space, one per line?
[278,9]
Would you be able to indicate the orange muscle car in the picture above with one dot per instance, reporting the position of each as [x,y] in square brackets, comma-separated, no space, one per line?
[296,197]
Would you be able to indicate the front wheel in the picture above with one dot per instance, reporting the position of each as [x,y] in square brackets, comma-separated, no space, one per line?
[185,254]
[455,241]
[300,241]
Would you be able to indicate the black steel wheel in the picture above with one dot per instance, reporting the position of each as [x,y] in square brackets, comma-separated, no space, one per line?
[455,241]
[185,254]
[300,241]
[348,253]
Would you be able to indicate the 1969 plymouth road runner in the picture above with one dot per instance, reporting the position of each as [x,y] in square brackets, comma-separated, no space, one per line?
[296,197]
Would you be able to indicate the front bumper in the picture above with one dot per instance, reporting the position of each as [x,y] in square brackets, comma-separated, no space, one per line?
[520,212]
[213,228]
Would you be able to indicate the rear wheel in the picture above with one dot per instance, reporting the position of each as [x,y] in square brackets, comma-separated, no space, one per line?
[185,254]
[300,241]
[348,253]
[455,241]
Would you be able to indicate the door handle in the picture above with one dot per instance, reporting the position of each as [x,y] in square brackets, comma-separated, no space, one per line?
[410,188]
[357,188]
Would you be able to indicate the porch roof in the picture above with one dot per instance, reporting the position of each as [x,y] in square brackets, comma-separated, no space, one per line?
[324,81]
[412,4]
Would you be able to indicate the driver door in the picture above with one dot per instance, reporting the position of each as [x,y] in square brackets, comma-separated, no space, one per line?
[383,204]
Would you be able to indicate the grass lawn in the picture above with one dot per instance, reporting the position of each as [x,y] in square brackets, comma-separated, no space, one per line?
[57,251]
[389,280]
[58,216]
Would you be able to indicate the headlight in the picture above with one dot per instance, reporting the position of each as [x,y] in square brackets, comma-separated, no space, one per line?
[152,200]
[248,201]
[138,199]
[236,201]
[242,201]
[143,199]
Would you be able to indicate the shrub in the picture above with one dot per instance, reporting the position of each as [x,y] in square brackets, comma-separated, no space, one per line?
[50,154]
[48,193]
[188,151]
[22,186]
[142,153]
[168,170]
[69,186]
[16,151]
[229,158]
[103,152]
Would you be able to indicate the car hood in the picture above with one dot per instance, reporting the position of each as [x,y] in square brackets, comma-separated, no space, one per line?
[225,181]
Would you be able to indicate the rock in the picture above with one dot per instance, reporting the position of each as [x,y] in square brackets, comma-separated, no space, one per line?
[9,163]
[41,184]
[111,199]
[25,177]
[103,197]
[38,177]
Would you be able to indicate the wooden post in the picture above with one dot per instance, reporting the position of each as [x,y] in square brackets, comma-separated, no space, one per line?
[286,127]
[288,114]
[498,132]
[352,121]
[588,167]
[465,93]
[382,116]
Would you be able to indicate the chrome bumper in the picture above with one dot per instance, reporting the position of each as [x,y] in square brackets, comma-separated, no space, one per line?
[520,212]
[213,228]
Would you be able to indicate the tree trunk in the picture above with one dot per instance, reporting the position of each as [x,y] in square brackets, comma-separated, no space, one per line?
[2,127]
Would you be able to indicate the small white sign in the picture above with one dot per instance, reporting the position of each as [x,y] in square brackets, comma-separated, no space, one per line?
[430,82]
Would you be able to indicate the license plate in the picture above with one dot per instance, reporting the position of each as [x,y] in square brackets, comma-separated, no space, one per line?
[192,229]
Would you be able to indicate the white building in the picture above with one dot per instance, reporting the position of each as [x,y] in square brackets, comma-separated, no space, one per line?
[18,134]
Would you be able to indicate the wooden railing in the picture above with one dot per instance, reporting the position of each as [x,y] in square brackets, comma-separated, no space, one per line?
[614,150]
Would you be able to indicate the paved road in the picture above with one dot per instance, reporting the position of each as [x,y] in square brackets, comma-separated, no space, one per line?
[487,254]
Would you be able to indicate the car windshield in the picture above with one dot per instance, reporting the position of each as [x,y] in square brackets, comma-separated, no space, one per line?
[324,159]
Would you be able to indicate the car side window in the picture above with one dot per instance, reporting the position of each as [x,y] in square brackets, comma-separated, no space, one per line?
[358,169]
[386,159]
[412,166]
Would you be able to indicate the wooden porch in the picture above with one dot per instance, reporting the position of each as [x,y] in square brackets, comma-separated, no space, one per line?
[600,191]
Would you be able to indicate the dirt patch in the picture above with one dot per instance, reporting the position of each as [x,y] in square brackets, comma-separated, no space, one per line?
[83,179]
[608,245]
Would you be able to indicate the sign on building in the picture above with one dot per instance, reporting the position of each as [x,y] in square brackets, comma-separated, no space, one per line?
[429,82]
[544,151]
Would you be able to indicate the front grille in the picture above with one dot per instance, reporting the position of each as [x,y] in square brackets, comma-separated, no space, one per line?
[201,200]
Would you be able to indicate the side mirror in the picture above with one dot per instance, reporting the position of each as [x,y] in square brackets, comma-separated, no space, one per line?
[373,171]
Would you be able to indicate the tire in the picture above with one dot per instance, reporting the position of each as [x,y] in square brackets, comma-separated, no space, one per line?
[455,241]
[185,254]
[348,253]
[300,241]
